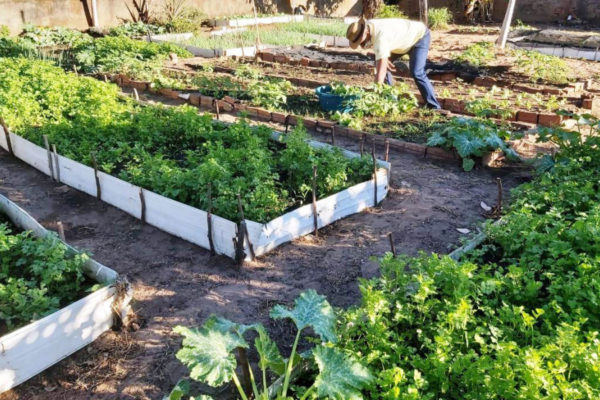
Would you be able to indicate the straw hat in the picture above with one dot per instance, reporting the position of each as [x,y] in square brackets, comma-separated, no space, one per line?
[356,33]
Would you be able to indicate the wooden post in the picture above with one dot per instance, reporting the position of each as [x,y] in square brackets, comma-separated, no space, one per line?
[75,70]
[61,231]
[7,135]
[98,188]
[216,105]
[94,14]
[143,205]
[136,95]
[57,166]
[501,42]
[314,201]
[287,123]
[105,78]
[499,205]
[333,135]
[50,167]
[362,143]
[392,245]
[209,220]
[387,149]
[424,12]
[374,174]
[243,358]
[245,227]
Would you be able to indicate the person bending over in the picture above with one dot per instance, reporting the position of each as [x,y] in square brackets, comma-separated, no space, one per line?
[391,38]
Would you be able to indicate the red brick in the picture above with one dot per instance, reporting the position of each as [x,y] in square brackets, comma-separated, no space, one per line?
[229,99]
[139,85]
[341,130]
[440,154]
[444,77]
[549,119]
[293,61]
[355,67]
[224,106]
[206,101]
[314,63]
[587,104]
[240,107]
[266,56]
[292,120]
[278,117]
[485,81]
[355,133]
[325,124]
[525,88]
[170,93]
[281,58]
[194,99]
[252,111]
[305,61]
[264,114]
[309,123]
[527,116]
[125,81]
[454,105]
[554,91]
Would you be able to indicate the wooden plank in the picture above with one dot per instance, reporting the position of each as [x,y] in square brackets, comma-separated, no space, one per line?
[54,337]
[32,154]
[121,194]
[77,175]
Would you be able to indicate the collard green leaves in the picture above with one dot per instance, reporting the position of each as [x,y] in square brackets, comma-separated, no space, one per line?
[310,310]
[269,356]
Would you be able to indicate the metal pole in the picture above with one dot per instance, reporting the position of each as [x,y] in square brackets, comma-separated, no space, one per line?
[94,14]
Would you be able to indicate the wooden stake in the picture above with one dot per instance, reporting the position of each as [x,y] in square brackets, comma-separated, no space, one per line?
[216,106]
[50,167]
[374,174]
[501,42]
[333,136]
[105,78]
[314,201]
[287,123]
[143,205]
[245,227]
[392,245]
[240,255]
[209,220]
[61,231]
[7,135]
[75,70]
[56,165]
[362,143]
[499,205]
[136,95]
[387,149]
[98,188]
[424,12]
[245,369]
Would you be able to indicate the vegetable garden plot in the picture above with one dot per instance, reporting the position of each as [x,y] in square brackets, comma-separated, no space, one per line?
[198,226]
[32,348]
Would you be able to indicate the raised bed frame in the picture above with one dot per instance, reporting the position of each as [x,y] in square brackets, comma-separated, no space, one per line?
[238,241]
[29,350]
[239,22]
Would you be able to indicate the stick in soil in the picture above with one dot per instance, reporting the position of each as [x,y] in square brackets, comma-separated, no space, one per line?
[98,188]
[56,162]
[314,201]
[50,167]
[7,135]
[374,173]
[105,78]
[243,357]
[333,135]
[61,231]
[392,245]
[136,95]
[209,220]
[245,227]
[287,123]
[499,205]
[143,205]
[216,106]
[387,150]
[362,143]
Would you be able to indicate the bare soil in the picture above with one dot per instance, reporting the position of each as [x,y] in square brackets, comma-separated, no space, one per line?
[176,282]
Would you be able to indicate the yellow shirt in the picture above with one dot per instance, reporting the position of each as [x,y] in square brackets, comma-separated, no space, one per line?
[394,35]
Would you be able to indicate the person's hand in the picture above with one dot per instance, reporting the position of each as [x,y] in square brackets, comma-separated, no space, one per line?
[390,66]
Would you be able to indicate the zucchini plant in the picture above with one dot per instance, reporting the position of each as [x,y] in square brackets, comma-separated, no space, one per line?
[208,352]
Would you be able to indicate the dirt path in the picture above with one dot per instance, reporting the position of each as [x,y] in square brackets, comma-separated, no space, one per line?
[176,282]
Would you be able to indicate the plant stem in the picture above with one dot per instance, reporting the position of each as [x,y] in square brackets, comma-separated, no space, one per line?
[288,371]
[308,391]
[239,387]
[264,378]
[254,388]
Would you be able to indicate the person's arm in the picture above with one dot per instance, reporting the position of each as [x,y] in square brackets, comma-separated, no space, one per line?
[381,67]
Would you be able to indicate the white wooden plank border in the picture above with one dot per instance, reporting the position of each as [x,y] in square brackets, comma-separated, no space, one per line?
[190,223]
[31,349]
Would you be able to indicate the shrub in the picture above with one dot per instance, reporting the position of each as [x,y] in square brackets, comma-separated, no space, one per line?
[390,11]
[439,18]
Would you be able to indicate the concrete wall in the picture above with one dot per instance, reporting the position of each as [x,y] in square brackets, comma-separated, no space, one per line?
[76,14]
[526,10]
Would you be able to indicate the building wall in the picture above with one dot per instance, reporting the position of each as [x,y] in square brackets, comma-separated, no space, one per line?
[76,14]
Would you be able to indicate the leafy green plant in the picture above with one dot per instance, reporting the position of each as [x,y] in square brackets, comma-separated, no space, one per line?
[208,352]
[57,36]
[37,276]
[542,67]
[390,11]
[269,93]
[439,18]
[4,31]
[489,107]
[471,138]
[478,54]
[136,29]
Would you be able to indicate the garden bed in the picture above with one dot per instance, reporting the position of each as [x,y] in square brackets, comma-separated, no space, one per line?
[56,336]
[239,22]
